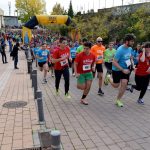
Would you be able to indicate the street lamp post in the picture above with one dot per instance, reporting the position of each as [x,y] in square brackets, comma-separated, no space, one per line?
[9,6]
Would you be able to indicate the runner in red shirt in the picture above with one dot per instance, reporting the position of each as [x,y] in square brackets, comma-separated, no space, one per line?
[142,73]
[61,66]
[84,65]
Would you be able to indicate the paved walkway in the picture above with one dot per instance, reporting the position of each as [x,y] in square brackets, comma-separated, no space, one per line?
[16,125]
[100,125]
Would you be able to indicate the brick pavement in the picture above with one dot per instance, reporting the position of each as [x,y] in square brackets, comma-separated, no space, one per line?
[100,125]
[16,125]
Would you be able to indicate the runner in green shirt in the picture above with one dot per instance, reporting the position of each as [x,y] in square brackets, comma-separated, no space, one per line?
[108,58]
[80,48]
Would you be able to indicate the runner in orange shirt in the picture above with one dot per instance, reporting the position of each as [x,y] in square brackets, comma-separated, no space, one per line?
[98,50]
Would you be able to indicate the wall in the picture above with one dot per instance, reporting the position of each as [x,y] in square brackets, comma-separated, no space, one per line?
[11,21]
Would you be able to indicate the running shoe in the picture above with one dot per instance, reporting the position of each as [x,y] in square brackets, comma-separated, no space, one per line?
[57,92]
[131,89]
[107,79]
[68,95]
[84,102]
[100,92]
[44,81]
[119,103]
[140,101]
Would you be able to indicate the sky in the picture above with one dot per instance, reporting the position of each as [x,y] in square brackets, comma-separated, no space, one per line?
[78,5]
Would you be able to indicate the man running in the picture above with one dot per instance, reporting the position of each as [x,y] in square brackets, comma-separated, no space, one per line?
[42,58]
[108,58]
[81,47]
[98,51]
[61,65]
[83,66]
[121,65]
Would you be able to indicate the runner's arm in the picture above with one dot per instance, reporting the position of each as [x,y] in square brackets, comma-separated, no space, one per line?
[142,58]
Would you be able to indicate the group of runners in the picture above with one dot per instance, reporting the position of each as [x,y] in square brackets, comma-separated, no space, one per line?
[56,54]
[87,59]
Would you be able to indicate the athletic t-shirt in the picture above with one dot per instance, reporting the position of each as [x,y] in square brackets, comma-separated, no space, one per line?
[59,53]
[73,52]
[80,49]
[123,55]
[35,50]
[143,66]
[109,55]
[98,52]
[44,54]
[84,62]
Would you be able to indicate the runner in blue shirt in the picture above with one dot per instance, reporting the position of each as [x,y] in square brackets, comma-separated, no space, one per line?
[121,67]
[42,58]
[73,56]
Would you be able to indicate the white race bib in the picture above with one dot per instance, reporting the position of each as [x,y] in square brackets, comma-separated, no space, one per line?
[64,62]
[128,62]
[86,67]
[44,53]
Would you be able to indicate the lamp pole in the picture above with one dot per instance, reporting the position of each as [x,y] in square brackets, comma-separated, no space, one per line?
[9,6]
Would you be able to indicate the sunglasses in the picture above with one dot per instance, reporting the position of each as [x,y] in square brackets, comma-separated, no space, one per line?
[99,41]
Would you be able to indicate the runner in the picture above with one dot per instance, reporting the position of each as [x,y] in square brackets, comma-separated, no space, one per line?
[108,58]
[42,58]
[142,73]
[61,65]
[73,56]
[84,65]
[80,48]
[98,51]
[121,65]
[35,50]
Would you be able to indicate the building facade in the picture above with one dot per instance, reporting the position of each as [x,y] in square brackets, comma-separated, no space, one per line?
[1,18]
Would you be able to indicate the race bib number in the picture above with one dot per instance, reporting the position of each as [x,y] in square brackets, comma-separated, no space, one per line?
[86,67]
[128,62]
[44,53]
[99,58]
[64,62]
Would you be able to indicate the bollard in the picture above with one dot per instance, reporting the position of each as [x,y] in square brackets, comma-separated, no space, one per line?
[29,64]
[34,82]
[39,94]
[55,140]
[31,72]
[40,110]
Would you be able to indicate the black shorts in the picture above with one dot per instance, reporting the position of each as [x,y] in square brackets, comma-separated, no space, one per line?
[50,64]
[108,66]
[99,68]
[41,63]
[73,59]
[118,75]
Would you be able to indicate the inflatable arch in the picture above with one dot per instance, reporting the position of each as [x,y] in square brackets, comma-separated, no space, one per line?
[43,20]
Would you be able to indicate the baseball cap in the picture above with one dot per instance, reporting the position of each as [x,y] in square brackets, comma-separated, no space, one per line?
[99,39]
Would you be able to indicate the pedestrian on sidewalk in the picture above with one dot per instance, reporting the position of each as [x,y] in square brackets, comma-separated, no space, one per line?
[14,54]
[84,65]
[2,50]
[142,73]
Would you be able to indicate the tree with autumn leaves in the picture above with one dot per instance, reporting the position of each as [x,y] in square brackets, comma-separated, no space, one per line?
[28,8]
